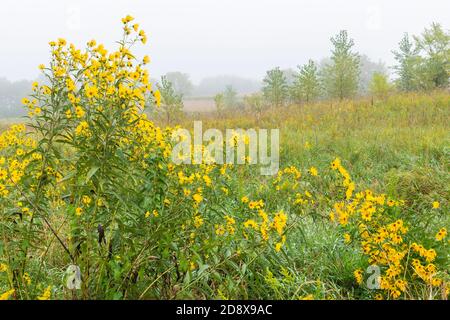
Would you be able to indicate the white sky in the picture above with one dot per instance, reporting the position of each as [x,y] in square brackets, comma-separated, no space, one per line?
[211,37]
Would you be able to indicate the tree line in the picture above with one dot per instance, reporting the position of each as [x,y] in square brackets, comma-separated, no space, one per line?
[422,63]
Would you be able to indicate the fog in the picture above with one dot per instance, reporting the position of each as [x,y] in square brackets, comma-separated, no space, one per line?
[206,38]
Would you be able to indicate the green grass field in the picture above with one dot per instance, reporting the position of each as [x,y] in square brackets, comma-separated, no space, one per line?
[398,147]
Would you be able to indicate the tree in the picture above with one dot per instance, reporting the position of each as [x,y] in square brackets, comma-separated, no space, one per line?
[230,98]
[220,104]
[289,75]
[180,82]
[368,69]
[407,67]
[306,86]
[379,85]
[341,76]
[275,87]
[11,94]
[433,44]
[171,102]
[255,103]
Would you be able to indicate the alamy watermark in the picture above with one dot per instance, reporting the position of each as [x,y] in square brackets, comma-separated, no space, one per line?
[242,146]
[373,281]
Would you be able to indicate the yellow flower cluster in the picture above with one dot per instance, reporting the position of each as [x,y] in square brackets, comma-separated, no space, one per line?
[6,295]
[46,294]
[381,239]
[17,155]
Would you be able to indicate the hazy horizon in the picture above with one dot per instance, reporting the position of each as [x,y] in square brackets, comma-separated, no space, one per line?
[209,38]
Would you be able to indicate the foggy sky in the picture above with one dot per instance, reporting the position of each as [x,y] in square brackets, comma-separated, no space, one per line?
[211,37]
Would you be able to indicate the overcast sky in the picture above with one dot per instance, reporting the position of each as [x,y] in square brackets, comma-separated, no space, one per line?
[211,37]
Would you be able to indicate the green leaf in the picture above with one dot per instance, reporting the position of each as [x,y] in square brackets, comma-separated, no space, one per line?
[91,172]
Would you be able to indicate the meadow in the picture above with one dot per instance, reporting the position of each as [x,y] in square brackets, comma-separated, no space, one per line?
[92,206]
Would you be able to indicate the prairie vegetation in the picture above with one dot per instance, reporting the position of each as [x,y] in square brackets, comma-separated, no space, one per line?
[92,207]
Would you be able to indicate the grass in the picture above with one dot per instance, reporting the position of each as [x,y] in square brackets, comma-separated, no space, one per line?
[398,147]
[406,133]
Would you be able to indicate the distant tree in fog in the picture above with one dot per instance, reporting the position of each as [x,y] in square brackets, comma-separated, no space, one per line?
[11,93]
[255,103]
[289,74]
[341,76]
[307,86]
[181,82]
[230,98]
[379,85]
[220,104]
[434,47]
[171,101]
[368,69]
[275,88]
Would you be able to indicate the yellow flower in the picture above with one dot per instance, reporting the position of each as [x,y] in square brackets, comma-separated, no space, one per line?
[86,200]
[82,129]
[395,293]
[78,211]
[336,164]
[251,224]
[197,198]
[307,145]
[278,246]
[91,92]
[244,199]
[6,295]
[198,221]
[127,19]
[62,42]
[436,282]
[27,278]
[313,171]
[347,238]
[157,95]
[70,84]
[279,221]
[79,112]
[146,60]
[220,230]
[3,174]
[358,276]
[436,205]
[46,294]
[441,234]
[143,36]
